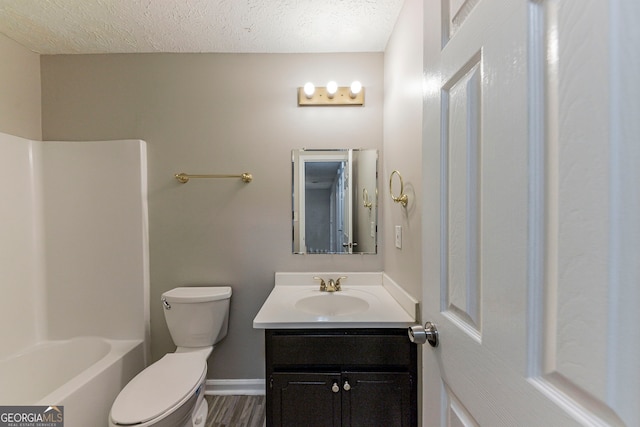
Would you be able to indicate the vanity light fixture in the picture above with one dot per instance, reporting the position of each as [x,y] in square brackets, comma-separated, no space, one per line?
[309,90]
[332,88]
[332,94]
[355,89]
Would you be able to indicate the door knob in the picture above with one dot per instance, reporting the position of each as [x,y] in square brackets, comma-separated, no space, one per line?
[420,335]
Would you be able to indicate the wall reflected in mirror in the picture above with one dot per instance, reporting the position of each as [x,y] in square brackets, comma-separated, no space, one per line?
[334,201]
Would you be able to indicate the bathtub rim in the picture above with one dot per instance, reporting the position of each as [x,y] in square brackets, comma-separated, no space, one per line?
[118,349]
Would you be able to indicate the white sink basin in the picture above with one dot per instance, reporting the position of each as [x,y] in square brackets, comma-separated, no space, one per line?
[332,304]
[296,302]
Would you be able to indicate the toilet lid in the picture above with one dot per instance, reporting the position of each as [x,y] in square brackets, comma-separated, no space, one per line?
[159,388]
[192,295]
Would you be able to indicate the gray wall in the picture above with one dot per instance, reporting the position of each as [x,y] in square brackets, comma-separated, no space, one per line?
[403,147]
[19,90]
[217,113]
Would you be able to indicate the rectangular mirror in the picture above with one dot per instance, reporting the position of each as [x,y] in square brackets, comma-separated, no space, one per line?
[334,199]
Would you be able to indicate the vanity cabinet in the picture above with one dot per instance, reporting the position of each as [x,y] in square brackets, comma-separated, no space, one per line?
[341,377]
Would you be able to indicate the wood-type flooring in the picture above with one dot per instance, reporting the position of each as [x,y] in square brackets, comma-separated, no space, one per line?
[236,411]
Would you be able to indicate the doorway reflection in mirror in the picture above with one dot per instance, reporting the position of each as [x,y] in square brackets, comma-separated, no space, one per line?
[328,215]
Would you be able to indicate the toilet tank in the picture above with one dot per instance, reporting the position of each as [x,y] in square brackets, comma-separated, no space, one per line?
[197,316]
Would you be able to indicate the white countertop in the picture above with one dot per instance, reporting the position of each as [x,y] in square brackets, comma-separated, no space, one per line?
[384,308]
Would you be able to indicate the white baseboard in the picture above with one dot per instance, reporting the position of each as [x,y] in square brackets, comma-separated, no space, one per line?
[235,387]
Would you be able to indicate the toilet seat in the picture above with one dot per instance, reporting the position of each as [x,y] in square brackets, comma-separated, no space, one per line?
[159,388]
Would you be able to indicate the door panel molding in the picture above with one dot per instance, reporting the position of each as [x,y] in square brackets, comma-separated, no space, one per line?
[454,13]
[455,412]
[461,105]
[559,307]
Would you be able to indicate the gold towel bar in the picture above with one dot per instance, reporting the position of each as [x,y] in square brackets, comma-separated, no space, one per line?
[184,178]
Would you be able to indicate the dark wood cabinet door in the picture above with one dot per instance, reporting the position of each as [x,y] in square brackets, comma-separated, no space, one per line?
[302,367]
[376,399]
[305,399]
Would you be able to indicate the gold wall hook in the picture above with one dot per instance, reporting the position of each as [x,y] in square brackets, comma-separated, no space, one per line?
[184,177]
[402,198]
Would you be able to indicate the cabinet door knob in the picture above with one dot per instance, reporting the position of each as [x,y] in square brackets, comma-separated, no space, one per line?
[335,388]
[347,386]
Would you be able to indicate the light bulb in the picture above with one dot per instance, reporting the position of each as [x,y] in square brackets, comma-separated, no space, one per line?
[356,87]
[309,89]
[332,88]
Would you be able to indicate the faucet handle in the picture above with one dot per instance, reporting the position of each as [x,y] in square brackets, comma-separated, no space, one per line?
[338,287]
[323,286]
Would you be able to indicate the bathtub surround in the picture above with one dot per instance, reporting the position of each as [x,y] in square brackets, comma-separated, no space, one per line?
[73,244]
[20,214]
[23,319]
[95,234]
[74,240]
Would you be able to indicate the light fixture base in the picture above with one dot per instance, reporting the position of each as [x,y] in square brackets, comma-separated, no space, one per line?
[321,98]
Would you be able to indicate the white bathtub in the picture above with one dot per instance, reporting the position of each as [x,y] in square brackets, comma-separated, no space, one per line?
[83,374]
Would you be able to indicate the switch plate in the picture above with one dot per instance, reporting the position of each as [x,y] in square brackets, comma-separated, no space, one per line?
[399,236]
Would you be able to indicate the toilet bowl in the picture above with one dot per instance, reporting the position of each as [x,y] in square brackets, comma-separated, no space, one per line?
[170,392]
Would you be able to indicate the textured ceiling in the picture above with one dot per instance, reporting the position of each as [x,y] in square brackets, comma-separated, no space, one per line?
[270,26]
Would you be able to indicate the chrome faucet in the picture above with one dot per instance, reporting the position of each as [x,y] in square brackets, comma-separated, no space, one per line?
[331,286]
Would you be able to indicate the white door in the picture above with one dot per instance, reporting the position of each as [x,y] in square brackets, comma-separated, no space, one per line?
[325,171]
[348,204]
[532,212]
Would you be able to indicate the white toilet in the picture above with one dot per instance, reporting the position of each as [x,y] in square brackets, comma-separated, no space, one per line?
[170,392]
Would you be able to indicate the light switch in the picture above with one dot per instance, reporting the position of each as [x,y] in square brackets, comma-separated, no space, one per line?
[399,236]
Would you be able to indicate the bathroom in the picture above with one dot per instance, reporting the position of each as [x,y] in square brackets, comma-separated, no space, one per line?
[224,113]
[227,113]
